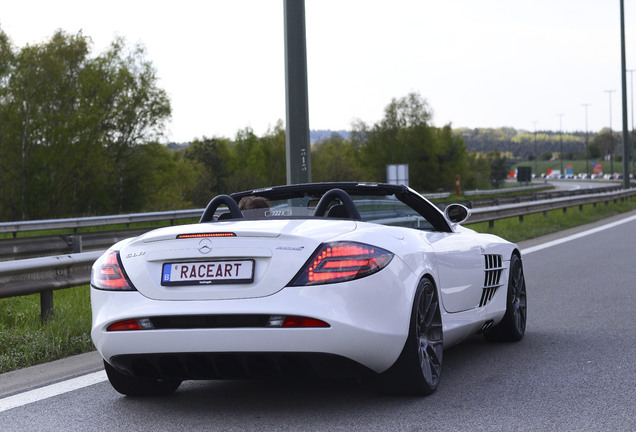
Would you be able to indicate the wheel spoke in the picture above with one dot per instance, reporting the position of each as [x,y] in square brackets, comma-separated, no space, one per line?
[429,334]
[431,362]
[518,298]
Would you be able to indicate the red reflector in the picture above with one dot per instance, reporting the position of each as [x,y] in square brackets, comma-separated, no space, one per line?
[125,325]
[297,321]
[203,235]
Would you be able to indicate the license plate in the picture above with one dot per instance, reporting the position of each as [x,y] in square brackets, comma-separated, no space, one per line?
[207,273]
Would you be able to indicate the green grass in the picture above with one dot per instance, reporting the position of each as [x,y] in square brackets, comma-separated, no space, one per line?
[537,225]
[25,341]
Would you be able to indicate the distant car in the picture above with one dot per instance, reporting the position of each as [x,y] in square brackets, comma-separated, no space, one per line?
[323,280]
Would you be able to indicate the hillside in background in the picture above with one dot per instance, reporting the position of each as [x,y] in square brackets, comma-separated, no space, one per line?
[319,134]
[515,144]
[523,144]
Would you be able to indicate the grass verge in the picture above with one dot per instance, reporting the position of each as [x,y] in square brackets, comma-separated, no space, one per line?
[537,225]
[25,341]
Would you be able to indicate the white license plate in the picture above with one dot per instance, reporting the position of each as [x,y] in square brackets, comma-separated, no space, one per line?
[207,273]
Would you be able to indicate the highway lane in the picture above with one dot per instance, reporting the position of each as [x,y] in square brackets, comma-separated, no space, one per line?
[580,184]
[574,370]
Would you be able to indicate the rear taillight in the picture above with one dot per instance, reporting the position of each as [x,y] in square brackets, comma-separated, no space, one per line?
[108,274]
[293,321]
[132,324]
[342,261]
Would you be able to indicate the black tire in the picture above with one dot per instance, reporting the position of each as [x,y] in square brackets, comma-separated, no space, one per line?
[134,386]
[418,369]
[513,325]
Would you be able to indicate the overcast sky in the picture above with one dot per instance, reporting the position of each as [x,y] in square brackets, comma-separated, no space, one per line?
[487,63]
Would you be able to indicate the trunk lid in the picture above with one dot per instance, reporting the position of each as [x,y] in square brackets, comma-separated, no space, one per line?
[225,260]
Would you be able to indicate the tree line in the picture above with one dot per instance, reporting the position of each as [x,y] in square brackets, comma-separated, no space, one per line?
[73,126]
[80,135]
[522,145]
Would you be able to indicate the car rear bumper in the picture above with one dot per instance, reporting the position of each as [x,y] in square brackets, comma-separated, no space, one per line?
[368,324]
[242,365]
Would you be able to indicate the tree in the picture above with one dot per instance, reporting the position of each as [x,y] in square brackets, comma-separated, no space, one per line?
[258,162]
[165,180]
[498,168]
[43,122]
[335,159]
[546,156]
[602,144]
[69,124]
[137,108]
[477,173]
[404,136]
[211,158]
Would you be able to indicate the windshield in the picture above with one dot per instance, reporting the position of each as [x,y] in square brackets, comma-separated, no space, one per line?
[380,209]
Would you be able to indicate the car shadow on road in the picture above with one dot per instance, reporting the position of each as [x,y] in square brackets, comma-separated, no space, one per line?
[297,394]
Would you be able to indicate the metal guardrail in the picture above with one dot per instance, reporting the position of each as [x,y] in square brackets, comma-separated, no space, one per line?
[491,214]
[35,275]
[495,200]
[505,190]
[33,247]
[45,274]
[96,221]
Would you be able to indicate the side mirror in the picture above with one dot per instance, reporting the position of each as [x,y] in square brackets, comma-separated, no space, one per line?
[456,213]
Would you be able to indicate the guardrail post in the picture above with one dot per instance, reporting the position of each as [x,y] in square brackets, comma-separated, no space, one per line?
[77,244]
[46,305]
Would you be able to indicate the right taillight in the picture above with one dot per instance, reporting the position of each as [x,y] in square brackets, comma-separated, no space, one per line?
[340,262]
[108,274]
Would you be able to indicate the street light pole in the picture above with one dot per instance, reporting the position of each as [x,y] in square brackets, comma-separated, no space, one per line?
[298,146]
[633,144]
[626,140]
[587,156]
[609,92]
[562,167]
[536,154]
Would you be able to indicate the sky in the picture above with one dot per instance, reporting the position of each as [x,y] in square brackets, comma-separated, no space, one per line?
[479,64]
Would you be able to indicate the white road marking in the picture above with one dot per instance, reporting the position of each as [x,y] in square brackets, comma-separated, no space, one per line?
[49,391]
[576,236]
[62,387]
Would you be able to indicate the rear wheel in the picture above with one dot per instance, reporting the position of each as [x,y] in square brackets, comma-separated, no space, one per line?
[134,386]
[513,325]
[418,369]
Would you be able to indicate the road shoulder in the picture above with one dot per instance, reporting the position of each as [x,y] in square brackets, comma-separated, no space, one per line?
[571,231]
[48,373]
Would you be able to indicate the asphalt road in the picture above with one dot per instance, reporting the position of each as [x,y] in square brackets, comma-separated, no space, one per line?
[574,371]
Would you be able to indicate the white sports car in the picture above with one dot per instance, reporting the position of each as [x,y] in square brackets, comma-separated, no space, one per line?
[319,280]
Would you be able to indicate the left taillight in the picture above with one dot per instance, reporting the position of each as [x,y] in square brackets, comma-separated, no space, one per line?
[108,274]
[340,262]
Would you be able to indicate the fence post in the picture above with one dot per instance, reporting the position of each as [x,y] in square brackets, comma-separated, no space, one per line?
[46,297]
[46,305]
[77,244]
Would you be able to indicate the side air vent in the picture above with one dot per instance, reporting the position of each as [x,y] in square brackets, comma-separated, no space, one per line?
[492,278]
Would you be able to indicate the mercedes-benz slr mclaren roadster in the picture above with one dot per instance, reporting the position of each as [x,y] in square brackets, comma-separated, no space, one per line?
[320,280]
